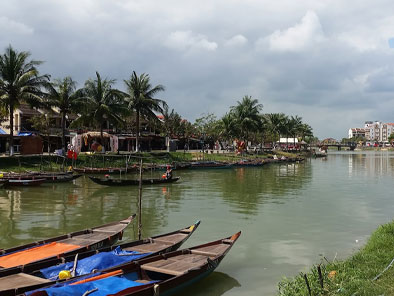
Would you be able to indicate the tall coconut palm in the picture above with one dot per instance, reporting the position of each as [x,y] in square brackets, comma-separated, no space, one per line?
[19,82]
[295,123]
[62,94]
[247,114]
[275,121]
[102,103]
[140,98]
[228,127]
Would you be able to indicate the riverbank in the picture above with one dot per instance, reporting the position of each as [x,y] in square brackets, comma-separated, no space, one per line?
[46,162]
[364,273]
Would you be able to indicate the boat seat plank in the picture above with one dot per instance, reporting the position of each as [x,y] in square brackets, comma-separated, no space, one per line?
[20,280]
[176,265]
[171,239]
[150,247]
[114,228]
[211,251]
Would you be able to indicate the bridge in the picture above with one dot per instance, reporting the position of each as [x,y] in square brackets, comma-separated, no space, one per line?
[350,145]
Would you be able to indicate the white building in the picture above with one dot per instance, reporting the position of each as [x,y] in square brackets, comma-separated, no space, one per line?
[373,131]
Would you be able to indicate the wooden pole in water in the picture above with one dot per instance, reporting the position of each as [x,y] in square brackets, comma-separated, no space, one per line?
[140,202]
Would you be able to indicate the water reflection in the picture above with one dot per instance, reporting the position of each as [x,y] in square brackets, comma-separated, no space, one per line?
[216,284]
[246,188]
[369,163]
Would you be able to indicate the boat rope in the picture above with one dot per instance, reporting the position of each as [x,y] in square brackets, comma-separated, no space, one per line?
[156,290]
[384,270]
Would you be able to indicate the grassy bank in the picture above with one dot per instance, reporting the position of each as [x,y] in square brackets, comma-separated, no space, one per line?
[22,163]
[354,276]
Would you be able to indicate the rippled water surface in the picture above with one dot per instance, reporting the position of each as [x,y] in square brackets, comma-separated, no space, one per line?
[291,215]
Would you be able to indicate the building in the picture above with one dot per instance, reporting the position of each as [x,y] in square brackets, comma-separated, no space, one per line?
[374,131]
[357,132]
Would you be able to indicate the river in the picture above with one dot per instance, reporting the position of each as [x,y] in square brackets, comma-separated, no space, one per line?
[291,215]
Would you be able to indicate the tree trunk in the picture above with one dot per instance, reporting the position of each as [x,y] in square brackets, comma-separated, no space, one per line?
[64,133]
[102,137]
[11,128]
[137,134]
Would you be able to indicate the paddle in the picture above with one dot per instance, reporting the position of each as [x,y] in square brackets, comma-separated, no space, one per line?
[74,266]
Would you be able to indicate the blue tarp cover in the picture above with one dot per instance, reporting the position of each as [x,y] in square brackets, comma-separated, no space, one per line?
[25,134]
[110,285]
[98,261]
[2,132]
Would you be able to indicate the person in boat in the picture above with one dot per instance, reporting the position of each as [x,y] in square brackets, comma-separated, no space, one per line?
[169,172]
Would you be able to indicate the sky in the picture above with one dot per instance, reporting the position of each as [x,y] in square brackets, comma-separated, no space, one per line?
[330,62]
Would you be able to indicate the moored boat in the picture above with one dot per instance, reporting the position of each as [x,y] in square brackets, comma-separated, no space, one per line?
[24,182]
[131,182]
[158,275]
[68,244]
[35,275]
[48,177]
[210,165]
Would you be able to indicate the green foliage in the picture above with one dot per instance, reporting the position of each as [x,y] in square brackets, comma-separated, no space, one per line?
[101,103]
[19,82]
[139,97]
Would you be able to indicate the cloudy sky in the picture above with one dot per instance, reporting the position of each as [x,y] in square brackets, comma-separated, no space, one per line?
[330,62]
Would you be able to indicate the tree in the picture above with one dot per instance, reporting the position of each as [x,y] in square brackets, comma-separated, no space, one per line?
[62,94]
[101,103]
[171,122]
[295,124]
[276,122]
[228,128]
[247,114]
[19,82]
[140,98]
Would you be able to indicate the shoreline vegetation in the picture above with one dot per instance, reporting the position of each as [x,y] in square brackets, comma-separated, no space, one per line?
[367,272]
[52,162]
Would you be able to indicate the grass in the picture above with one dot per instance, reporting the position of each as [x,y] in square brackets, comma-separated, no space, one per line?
[354,276]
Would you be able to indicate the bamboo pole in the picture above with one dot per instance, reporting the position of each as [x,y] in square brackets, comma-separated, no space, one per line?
[140,202]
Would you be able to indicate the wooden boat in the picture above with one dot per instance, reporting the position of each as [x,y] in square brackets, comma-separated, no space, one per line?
[158,275]
[210,165]
[35,275]
[249,163]
[86,170]
[125,182]
[48,178]
[24,182]
[68,244]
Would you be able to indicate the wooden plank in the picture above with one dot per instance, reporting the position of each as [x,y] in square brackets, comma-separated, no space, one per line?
[147,248]
[20,280]
[171,239]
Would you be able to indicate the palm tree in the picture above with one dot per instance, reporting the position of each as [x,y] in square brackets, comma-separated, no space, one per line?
[19,82]
[275,121]
[228,126]
[295,123]
[247,114]
[102,103]
[140,98]
[62,94]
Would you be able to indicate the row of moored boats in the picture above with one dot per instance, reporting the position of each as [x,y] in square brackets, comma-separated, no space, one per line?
[87,263]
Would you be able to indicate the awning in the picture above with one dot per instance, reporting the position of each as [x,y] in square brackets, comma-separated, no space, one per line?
[2,132]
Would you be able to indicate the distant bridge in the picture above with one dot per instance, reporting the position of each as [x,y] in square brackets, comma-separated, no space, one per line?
[350,145]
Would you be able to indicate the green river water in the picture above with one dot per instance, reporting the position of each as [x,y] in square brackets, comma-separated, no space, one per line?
[290,215]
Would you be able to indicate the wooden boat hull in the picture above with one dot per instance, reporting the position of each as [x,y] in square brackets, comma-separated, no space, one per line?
[48,178]
[24,182]
[119,182]
[68,244]
[158,275]
[210,165]
[13,282]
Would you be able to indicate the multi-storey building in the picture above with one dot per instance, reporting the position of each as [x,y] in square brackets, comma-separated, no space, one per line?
[373,131]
